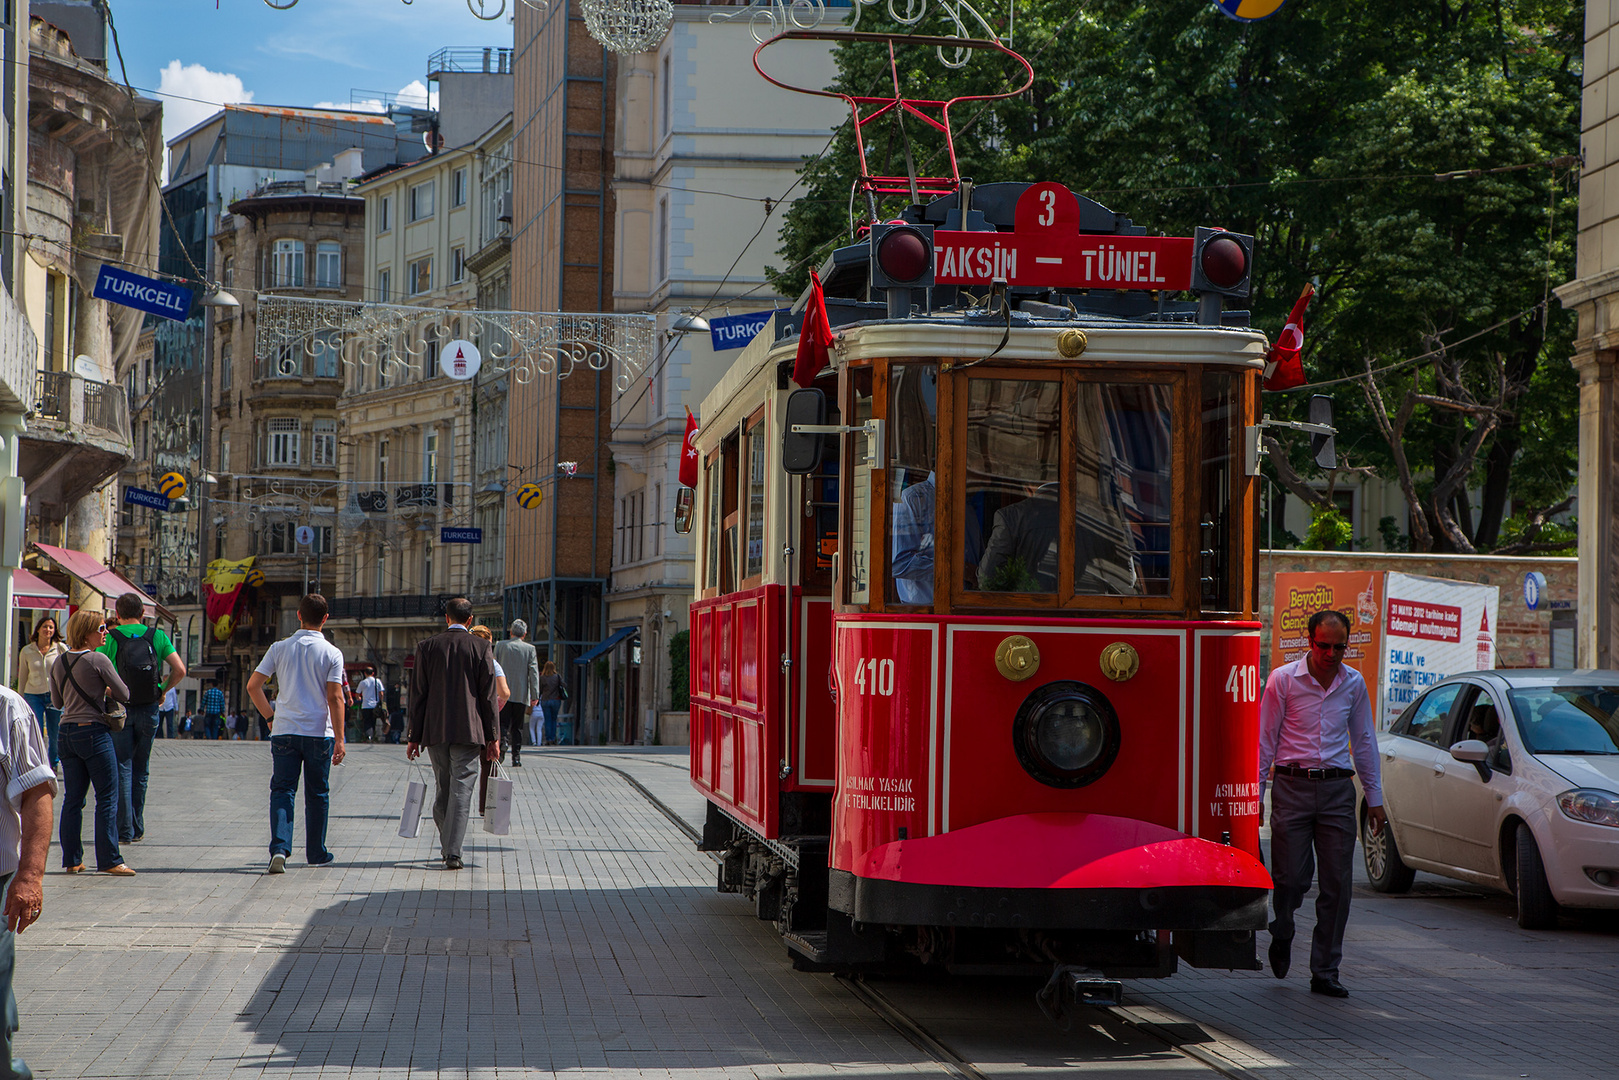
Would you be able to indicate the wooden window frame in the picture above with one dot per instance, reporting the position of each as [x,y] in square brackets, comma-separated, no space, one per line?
[750,427]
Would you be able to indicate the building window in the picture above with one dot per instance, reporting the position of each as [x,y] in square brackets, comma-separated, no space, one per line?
[668,95]
[420,276]
[289,264]
[324,450]
[383,278]
[421,202]
[277,541]
[224,451]
[328,265]
[657,525]
[458,265]
[229,271]
[323,540]
[225,366]
[458,187]
[430,458]
[385,213]
[382,569]
[382,462]
[284,439]
[663,241]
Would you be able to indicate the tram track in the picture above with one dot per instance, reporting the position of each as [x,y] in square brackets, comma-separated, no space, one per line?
[1175,1033]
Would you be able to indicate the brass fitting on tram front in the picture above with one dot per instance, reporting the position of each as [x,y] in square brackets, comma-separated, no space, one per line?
[1070,343]
[1017,657]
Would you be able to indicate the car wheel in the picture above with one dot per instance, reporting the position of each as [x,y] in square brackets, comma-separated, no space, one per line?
[1537,908]
[1384,867]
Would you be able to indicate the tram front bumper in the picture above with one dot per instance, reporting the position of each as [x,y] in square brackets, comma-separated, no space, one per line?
[1057,871]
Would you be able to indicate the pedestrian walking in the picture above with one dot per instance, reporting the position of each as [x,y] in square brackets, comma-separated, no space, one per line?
[536,724]
[373,719]
[213,711]
[551,694]
[25,838]
[307,735]
[522,666]
[452,713]
[35,667]
[167,712]
[503,696]
[1316,726]
[81,681]
[146,659]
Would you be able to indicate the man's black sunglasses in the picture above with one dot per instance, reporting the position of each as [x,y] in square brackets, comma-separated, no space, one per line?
[1329,648]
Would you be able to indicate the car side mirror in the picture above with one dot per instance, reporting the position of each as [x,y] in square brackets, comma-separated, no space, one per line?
[685,502]
[801,451]
[1472,751]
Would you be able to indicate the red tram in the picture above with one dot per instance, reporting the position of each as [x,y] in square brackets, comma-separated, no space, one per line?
[974,652]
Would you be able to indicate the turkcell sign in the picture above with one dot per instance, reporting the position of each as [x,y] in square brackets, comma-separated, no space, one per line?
[460,536]
[141,497]
[735,331]
[146,294]
[1067,262]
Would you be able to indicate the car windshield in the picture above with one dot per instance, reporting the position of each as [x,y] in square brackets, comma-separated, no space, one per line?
[1568,719]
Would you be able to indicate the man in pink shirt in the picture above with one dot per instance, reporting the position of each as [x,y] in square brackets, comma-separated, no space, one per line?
[1316,730]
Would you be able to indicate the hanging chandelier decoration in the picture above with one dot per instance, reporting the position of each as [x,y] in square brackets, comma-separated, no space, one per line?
[628,26]
[487,10]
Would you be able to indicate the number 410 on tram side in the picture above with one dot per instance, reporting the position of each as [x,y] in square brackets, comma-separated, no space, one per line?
[974,651]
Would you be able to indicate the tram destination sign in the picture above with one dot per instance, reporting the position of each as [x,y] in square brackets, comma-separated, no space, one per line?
[1046,249]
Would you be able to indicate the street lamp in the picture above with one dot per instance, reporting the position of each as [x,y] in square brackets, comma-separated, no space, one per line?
[688,323]
[217,297]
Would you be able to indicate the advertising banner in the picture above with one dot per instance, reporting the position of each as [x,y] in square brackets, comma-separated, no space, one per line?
[1435,628]
[221,586]
[1356,593]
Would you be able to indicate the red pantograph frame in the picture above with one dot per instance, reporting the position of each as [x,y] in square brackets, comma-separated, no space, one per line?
[899,185]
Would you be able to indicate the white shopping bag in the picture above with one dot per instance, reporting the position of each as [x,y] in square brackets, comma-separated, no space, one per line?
[497,814]
[410,818]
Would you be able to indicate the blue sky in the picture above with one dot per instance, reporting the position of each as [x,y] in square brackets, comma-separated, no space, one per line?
[314,53]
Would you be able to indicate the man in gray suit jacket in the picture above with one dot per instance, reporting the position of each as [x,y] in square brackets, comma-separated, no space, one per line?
[452,713]
[521,664]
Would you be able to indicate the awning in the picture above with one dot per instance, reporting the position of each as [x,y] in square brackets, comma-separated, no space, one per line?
[607,643]
[109,583]
[30,592]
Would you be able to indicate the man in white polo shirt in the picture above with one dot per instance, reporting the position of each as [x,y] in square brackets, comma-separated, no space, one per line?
[307,731]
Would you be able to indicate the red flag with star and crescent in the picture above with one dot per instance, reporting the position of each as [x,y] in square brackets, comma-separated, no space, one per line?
[814,338]
[688,453]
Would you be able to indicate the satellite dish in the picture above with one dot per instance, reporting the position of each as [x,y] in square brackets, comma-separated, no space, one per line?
[433,139]
[86,368]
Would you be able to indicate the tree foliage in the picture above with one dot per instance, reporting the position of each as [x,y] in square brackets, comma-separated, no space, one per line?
[1324,131]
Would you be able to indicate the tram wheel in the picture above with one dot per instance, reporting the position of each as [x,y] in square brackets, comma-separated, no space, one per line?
[1385,868]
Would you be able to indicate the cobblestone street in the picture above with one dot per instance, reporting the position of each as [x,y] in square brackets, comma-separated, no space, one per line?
[590,942]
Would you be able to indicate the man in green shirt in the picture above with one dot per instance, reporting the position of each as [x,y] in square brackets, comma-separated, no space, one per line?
[147,661]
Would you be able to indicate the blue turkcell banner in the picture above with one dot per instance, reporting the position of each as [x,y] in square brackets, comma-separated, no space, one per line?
[161,298]
[735,331]
[141,497]
[460,536]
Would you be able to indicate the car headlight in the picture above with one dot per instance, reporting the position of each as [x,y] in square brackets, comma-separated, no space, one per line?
[1066,734]
[1587,804]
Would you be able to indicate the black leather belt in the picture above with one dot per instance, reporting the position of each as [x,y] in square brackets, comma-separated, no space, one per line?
[1314,774]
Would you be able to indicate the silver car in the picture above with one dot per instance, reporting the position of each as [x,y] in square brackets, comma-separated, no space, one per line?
[1508,779]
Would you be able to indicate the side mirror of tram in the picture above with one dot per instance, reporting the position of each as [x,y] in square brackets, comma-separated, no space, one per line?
[801,451]
[1323,447]
[685,503]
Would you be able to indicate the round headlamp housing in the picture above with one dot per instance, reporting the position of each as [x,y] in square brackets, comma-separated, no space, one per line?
[1066,734]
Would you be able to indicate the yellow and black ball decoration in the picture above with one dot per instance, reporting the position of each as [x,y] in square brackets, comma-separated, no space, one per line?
[172,486]
[254,578]
[530,496]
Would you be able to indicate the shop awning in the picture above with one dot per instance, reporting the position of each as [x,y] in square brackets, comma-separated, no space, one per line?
[30,592]
[607,643]
[104,580]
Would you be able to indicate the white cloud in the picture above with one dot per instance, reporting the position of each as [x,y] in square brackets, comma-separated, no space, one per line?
[197,94]
[413,93]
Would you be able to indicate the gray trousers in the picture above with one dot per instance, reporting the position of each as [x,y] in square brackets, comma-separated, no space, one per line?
[455,768]
[1311,822]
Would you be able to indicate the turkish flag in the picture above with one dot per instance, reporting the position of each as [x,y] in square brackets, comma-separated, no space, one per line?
[1283,367]
[815,338]
[688,453]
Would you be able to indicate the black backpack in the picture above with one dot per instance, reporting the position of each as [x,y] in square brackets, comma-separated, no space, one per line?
[136,664]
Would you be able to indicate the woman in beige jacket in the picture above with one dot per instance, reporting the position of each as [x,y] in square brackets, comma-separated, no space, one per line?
[34,668]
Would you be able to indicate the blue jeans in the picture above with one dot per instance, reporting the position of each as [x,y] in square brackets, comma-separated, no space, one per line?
[49,718]
[550,708]
[88,757]
[165,723]
[134,747]
[212,723]
[312,756]
[11,1068]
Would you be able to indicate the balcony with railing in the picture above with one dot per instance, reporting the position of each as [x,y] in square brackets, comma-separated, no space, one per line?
[428,606]
[18,352]
[78,436]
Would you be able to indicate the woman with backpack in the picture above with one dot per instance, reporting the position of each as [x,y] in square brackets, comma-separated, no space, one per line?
[82,680]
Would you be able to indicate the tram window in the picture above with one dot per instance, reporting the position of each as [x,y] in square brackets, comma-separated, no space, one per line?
[1218,464]
[711,492]
[730,517]
[913,419]
[754,558]
[857,560]
[819,523]
[1123,489]
[1014,447]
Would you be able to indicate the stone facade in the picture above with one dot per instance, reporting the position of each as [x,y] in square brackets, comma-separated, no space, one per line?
[1523,638]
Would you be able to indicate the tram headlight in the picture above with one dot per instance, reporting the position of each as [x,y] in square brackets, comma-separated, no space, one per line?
[1222,262]
[1066,734]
